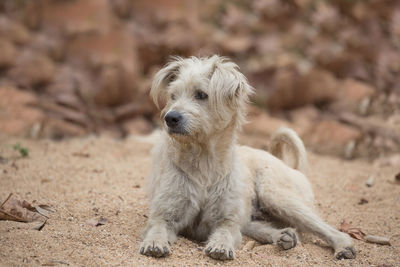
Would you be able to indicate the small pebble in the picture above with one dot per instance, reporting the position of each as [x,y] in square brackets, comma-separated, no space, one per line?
[249,245]
[370,181]
[349,149]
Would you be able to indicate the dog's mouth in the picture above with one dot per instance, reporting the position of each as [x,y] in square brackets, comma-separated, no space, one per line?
[177,131]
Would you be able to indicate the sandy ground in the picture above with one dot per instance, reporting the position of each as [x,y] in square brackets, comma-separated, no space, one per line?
[93,177]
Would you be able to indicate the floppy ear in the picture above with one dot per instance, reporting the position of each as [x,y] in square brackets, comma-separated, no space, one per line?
[228,82]
[231,89]
[163,78]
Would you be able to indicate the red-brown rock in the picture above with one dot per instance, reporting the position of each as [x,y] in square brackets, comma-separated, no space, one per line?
[16,117]
[33,69]
[14,31]
[331,137]
[355,91]
[7,54]
[293,89]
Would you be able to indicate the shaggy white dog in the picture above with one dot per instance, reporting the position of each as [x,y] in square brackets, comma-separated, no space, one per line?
[204,186]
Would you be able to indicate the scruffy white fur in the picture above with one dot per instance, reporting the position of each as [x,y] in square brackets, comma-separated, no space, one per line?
[206,187]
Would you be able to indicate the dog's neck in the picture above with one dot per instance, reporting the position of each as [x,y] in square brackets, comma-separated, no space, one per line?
[214,155]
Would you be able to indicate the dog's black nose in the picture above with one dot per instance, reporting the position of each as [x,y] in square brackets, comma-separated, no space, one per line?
[173,118]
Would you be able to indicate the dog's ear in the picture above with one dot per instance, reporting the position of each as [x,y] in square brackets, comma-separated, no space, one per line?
[163,78]
[228,82]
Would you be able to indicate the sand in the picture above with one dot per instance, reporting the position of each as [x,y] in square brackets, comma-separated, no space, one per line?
[97,177]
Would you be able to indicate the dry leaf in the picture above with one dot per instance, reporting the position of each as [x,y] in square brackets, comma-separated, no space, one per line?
[102,221]
[42,210]
[25,204]
[40,225]
[81,154]
[249,245]
[97,222]
[4,202]
[20,211]
[362,201]
[55,263]
[352,231]
[46,207]
[23,211]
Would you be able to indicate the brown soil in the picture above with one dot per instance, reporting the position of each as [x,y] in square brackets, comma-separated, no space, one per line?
[101,177]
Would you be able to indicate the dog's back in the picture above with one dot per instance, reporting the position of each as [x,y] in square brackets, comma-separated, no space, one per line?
[286,150]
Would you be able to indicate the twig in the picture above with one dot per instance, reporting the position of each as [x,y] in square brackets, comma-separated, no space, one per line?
[4,202]
[62,112]
[18,219]
[371,126]
[368,125]
[377,240]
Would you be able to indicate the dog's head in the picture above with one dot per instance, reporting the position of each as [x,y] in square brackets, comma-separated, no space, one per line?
[202,96]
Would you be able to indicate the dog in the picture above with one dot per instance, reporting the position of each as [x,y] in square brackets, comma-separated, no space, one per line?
[207,188]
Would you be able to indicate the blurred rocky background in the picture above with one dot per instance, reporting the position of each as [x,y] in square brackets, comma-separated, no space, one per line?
[329,69]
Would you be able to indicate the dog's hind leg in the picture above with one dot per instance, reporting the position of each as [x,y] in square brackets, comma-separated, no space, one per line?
[265,233]
[293,210]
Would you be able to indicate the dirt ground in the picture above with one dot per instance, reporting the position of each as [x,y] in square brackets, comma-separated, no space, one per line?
[97,177]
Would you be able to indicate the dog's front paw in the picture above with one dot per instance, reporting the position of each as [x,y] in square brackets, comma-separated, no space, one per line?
[346,253]
[286,238]
[219,251]
[155,248]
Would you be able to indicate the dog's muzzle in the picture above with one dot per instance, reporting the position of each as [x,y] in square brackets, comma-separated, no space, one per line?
[175,122]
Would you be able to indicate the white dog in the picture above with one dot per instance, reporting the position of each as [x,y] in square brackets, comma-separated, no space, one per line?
[204,186]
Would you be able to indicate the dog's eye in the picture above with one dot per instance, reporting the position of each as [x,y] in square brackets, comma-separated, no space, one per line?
[172,96]
[200,95]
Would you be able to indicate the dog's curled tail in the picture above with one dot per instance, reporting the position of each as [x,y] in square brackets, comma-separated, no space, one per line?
[287,146]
